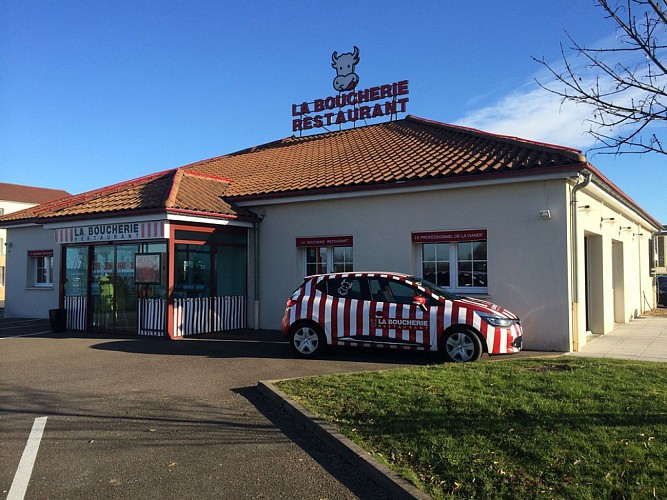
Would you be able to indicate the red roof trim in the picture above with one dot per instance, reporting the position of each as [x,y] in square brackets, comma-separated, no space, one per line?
[496,136]
[90,194]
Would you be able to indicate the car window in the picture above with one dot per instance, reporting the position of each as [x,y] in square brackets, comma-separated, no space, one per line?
[347,288]
[662,283]
[387,290]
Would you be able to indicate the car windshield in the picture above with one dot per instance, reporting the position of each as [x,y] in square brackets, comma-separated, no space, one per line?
[432,287]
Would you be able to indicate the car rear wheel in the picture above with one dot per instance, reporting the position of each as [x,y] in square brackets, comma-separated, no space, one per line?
[307,340]
[461,346]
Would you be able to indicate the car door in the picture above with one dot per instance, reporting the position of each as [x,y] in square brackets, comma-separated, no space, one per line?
[344,307]
[394,318]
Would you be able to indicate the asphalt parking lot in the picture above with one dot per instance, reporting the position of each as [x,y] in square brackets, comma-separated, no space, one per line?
[128,417]
[150,418]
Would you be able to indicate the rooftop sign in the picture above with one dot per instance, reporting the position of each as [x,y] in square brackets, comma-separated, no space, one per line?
[350,105]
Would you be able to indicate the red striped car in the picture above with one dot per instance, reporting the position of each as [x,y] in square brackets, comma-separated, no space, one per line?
[393,310]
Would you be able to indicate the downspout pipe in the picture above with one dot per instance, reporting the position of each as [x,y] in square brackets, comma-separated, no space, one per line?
[575,259]
[256,274]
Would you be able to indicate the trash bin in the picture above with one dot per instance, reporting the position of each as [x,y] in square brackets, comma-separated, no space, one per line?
[58,320]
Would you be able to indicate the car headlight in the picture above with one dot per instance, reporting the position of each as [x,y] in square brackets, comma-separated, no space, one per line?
[497,321]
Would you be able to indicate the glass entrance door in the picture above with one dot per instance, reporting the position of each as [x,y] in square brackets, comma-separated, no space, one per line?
[126,288]
[113,288]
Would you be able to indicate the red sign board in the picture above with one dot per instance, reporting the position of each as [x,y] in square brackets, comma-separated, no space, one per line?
[449,236]
[40,253]
[325,241]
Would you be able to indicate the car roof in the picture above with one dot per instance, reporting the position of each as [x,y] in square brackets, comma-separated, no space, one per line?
[357,274]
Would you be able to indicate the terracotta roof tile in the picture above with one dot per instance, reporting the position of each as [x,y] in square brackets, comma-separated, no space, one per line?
[29,194]
[408,150]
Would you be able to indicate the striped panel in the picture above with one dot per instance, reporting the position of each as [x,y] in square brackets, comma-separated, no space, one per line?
[229,313]
[152,315]
[76,312]
[196,316]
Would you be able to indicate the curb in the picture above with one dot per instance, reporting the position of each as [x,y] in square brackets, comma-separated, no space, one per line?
[395,485]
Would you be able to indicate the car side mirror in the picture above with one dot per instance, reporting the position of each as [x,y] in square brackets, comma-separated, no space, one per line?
[420,300]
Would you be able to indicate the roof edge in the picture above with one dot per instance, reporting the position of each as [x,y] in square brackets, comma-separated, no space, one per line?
[574,154]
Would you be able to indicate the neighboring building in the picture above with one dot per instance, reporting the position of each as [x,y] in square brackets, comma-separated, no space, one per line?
[220,244]
[14,197]
[659,253]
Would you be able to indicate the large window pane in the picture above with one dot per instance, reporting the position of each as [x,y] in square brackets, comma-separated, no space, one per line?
[192,276]
[76,271]
[342,259]
[472,263]
[435,263]
[316,260]
[230,271]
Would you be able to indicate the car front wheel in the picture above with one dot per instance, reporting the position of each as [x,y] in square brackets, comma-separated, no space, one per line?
[461,346]
[307,340]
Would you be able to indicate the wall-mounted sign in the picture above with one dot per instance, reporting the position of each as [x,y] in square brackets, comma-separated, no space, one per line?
[325,241]
[449,236]
[40,253]
[350,105]
[110,232]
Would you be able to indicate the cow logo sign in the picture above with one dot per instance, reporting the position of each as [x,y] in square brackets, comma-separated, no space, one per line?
[344,64]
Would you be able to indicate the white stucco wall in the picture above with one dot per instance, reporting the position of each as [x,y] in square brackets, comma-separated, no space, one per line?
[527,255]
[618,285]
[530,260]
[23,299]
[7,208]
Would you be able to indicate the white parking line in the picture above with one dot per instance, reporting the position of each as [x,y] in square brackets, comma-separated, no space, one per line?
[23,473]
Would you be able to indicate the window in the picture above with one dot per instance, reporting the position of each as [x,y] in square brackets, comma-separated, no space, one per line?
[321,260]
[2,276]
[192,276]
[43,271]
[345,288]
[456,260]
[2,246]
[386,290]
[435,263]
[471,260]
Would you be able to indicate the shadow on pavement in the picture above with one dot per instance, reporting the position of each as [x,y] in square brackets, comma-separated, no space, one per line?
[353,479]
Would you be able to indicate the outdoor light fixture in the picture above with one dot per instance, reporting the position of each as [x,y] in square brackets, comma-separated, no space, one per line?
[637,234]
[625,228]
[606,219]
[585,207]
[545,214]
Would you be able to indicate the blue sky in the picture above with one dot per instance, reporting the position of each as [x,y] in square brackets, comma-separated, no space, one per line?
[97,92]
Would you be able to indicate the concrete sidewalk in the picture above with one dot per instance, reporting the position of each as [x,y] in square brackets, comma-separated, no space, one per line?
[642,339]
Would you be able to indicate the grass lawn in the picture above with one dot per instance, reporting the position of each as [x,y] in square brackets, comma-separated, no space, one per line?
[541,428]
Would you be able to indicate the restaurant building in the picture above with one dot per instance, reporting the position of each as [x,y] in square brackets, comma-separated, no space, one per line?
[220,244]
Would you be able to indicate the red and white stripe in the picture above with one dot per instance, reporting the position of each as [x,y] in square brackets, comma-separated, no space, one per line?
[341,317]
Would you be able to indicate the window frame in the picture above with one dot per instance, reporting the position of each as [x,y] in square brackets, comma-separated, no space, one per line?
[454,259]
[327,265]
[48,271]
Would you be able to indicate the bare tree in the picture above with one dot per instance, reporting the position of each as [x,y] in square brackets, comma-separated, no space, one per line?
[626,84]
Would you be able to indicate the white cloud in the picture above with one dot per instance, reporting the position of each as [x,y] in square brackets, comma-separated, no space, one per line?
[537,115]
[531,112]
